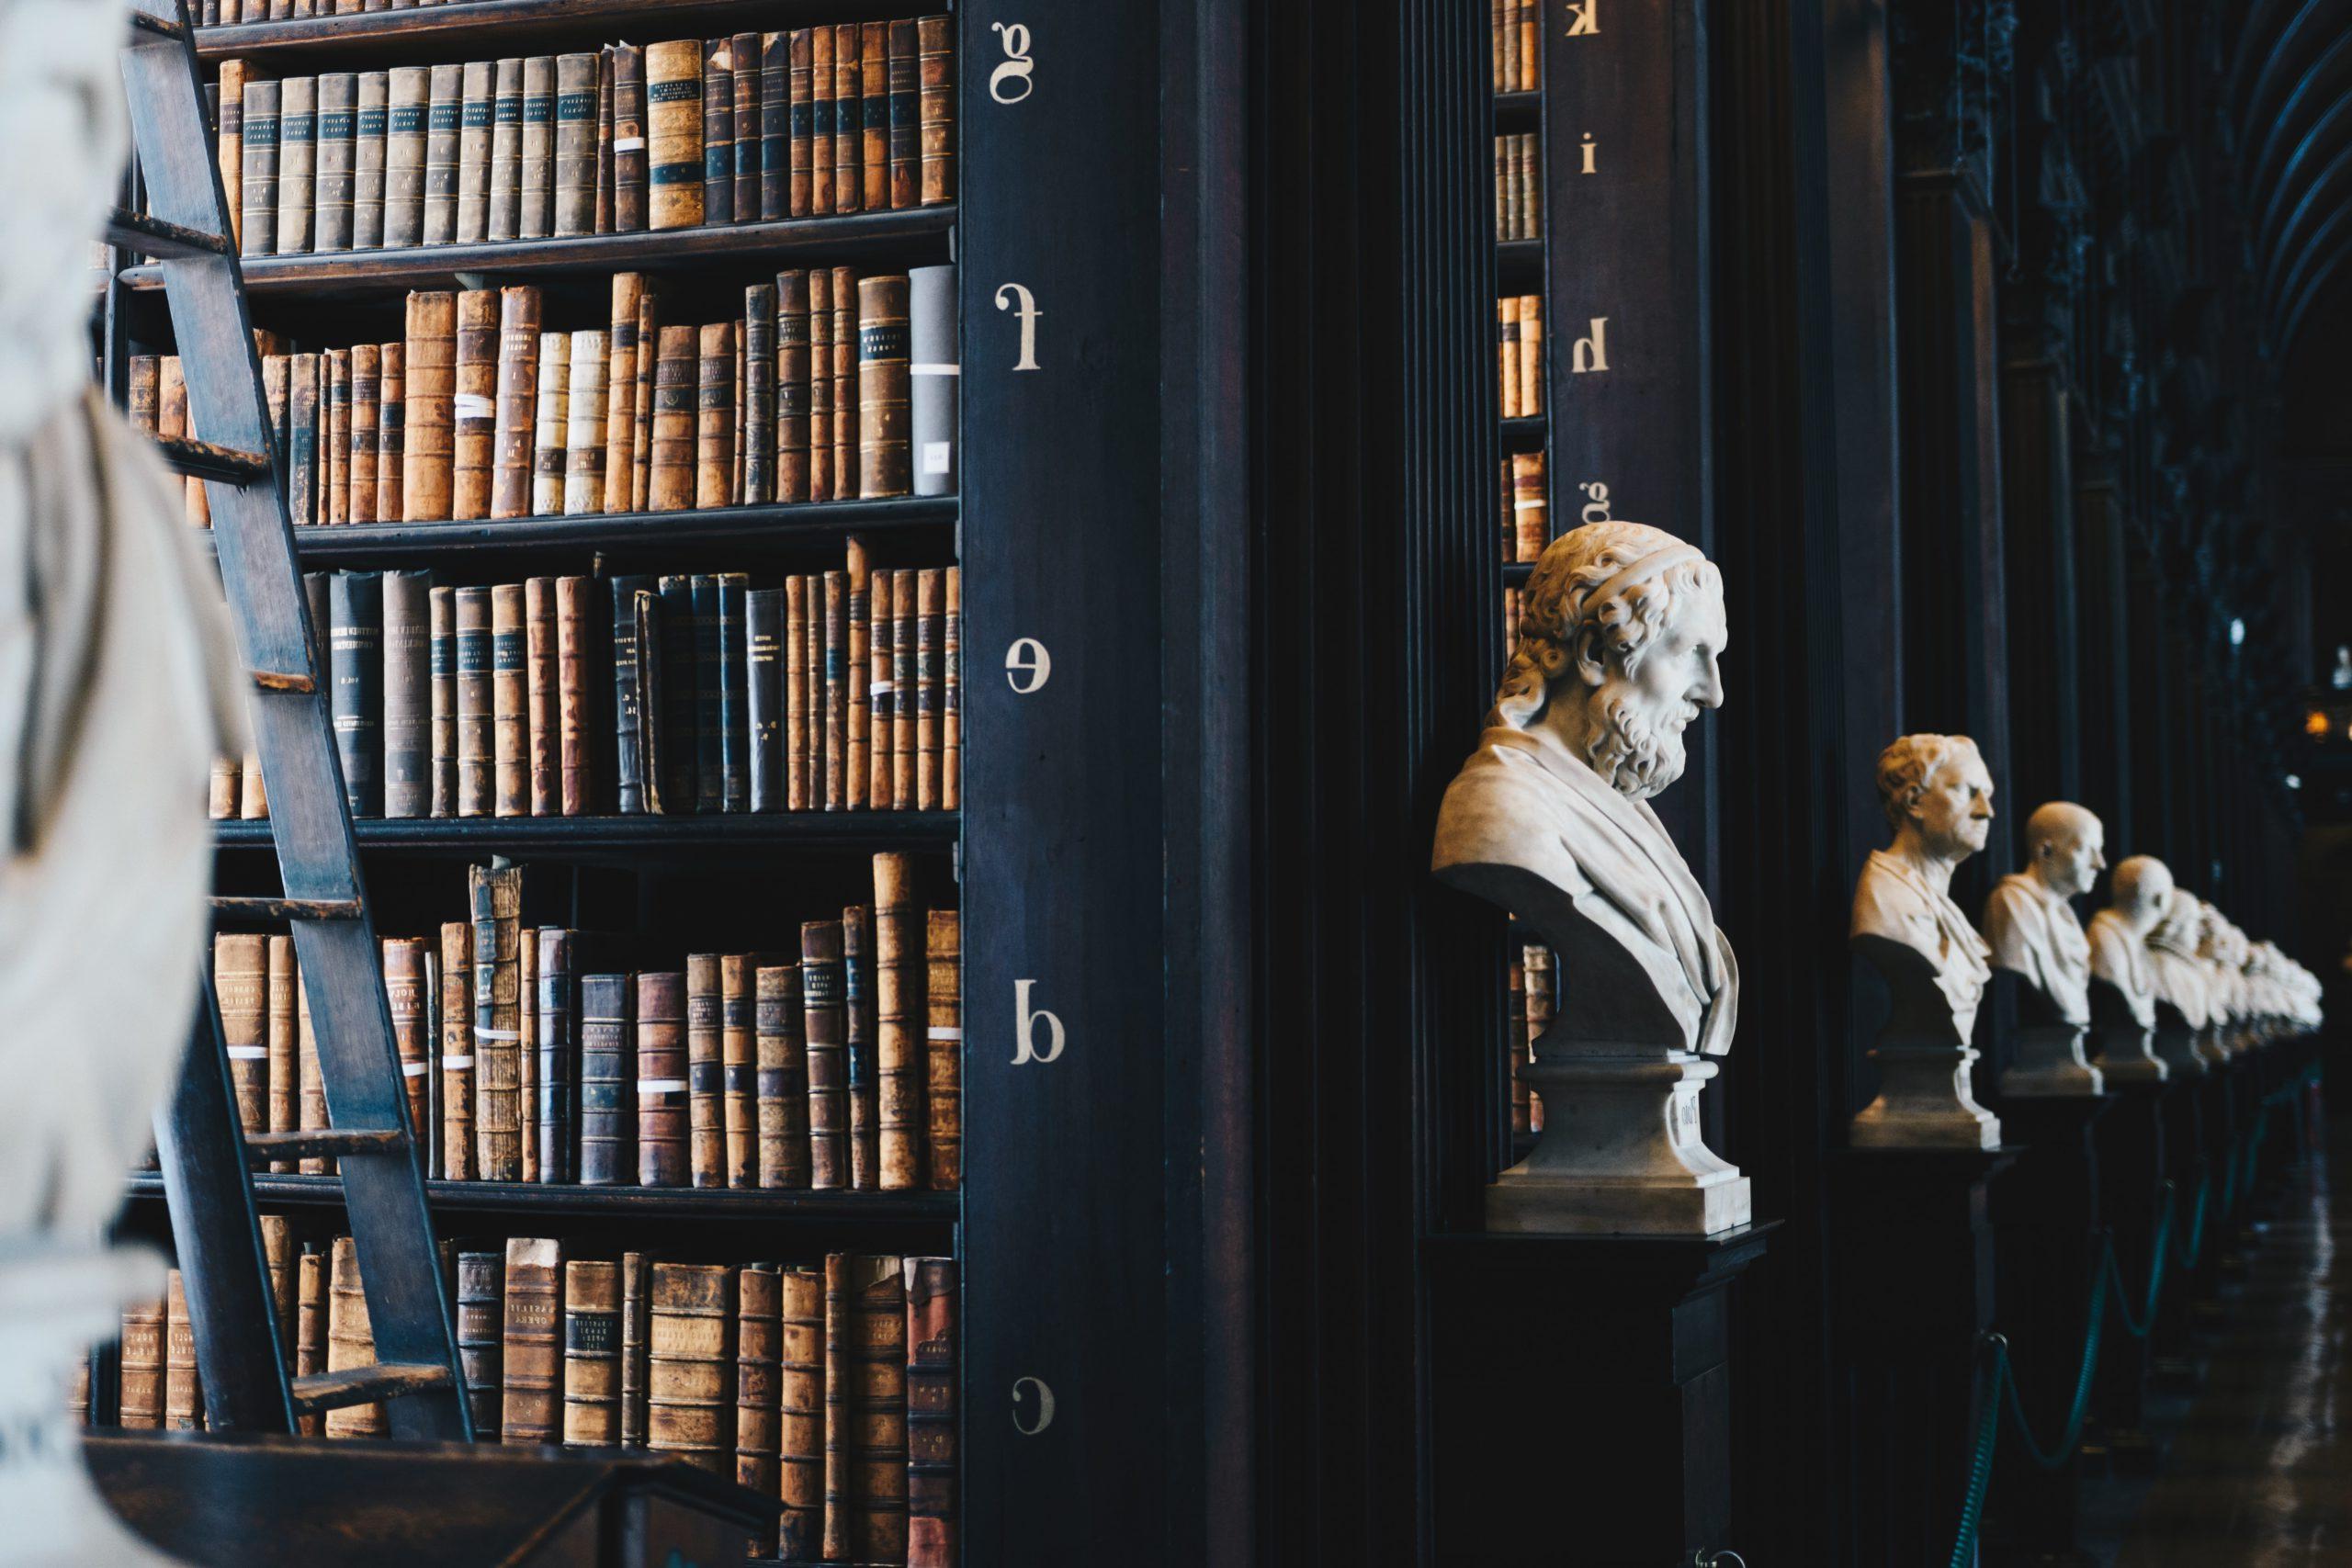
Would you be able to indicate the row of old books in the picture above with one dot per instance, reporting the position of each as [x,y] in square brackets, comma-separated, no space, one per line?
[1516,36]
[669,695]
[1521,354]
[534,1052]
[229,13]
[1527,521]
[1529,1015]
[1519,187]
[856,118]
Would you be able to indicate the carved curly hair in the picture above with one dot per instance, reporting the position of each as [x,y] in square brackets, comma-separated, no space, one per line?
[1557,606]
[1905,768]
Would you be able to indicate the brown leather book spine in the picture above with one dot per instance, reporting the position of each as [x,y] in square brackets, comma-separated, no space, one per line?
[335,438]
[628,137]
[792,387]
[278,1258]
[714,432]
[591,1354]
[738,1057]
[575,603]
[518,400]
[757,1376]
[690,1393]
[743,55]
[405,986]
[706,1114]
[878,1386]
[481,1339]
[575,144]
[902,689]
[477,100]
[297,163]
[718,131]
[782,1078]
[932,1511]
[796,694]
[636,1309]
[350,1341]
[857,655]
[429,428]
[620,391]
[551,425]
[313,1090]
[824,1025]
[583,471]
[496,899]
[857,1018]
[456,1051]
[1532,524]
[842,1328]
[905,112]
[536,182]
[221,796]
[884,464]
[441,612]
[302,439]
[474,402]
[510,721]
[822,196]
[391,429]
[444,152]
[675,372]
[931,603]
[944,1042]
[756,451]
[540,670]
[878,691]
[951,691]
[935,69]
[845,420]
[898,1002]
[145,397]
[505,204]
[849,129]
[526,1054]
[229,146]
[285,1071]
[309,1327]
[800,121]
[257,178]
[359,458]
[140,1367]
[800,1403]
[241,982]
[183,1396]
[674,130]
[662,1110]
[253,795]
[648,350]
[821,384]
[836,690]
[533,1333]
[602,139]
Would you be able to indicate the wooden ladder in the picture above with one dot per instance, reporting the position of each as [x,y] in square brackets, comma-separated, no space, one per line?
[204,1154]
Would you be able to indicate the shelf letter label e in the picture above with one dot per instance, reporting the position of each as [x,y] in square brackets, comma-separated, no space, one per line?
[1010,83]
[1025,1020]
[1023,304]
[1044,1401]
[1027,659]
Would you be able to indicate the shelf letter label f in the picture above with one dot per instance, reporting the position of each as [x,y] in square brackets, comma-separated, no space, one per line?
[1023,304]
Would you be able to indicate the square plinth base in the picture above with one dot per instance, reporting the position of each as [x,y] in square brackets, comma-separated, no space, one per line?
[1559,1206]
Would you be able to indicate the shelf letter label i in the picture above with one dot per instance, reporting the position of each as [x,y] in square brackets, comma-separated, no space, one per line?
[1010,82]
[1044,1398]
[1024,1035]
[1023,304]
[1027,660]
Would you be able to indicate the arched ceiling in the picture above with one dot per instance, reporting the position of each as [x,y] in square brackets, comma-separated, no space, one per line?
[2290,111]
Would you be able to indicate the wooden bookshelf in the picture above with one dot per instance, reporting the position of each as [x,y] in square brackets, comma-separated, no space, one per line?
[535,836]
[490,27]
[764,530]
[934,1214]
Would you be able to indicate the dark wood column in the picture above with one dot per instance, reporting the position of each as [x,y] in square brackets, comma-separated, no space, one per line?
[2103,716]
[2038,523]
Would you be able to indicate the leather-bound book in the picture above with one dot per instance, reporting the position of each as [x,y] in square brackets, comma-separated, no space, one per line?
[758,1350]
[474,710]
[171,419]
[444,120]
[496,899]
[575,144]
[620,392]
[253,795]
[404,986]
[930,605]
[607,1139]
[337,133]
[764,696]
[302,439]
[356,695]
[856,724]
[731,721]
[298,120]
[661,1112]
[391,433]
[935,73]
[144,398]
[933,382]
[739,1059]
[534,1332]
[518,402]
[258,181]
[350,1341]
[428,410]
[883,413]
[583,476]
[675,374]
[442,605]
[781,1083]
[878,1371]
[285,1069]
[220,792]
[309,1327]
[359,447]
[797,708]
[905,135]
[823,86]
[743,57]
[836,689]
[408,106]
[932,1511]
[943,1081]
[792,387]
[843,1326]
[77,1399]
[678,729]
[592,1359]
[705,1078]
[849,121]
[674,118]
[551,425]
[813,659]
[775,126]
[652,703]
[509,698]
[577,775]
[823,1030]
[602,135]
[845,361]
[898,1007]
[556,1012]
[278,1259]
[628,137]
[714,404]
[481,1339]
[526,1053]
[476,110]
[636,1311]
[334,435]
[369,123]
[183,1398]
[241,982]
[503,220]
[874,120]
[690,1393]
[535,185]
[539,687]
[649,345]
[311,1089]
[801,1408]
[879,688]
[758,446]
[799,59]
[951,689]
[457,1162]
[1530,510]
[718,131]
[229,145]
[140,1363]
[902,689]
[475,406]
[821,384]
[407,696]
[629,780]
[857,1020]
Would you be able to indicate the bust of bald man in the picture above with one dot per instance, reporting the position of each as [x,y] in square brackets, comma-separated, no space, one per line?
[2124,983]
[2029,921]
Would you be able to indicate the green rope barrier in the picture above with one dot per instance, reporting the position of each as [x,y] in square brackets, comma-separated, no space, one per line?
[2141,1326]
[1980,1466]
[2059,1452]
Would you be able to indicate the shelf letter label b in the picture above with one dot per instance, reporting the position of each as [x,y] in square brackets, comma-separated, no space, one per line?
[1010,83]
[1027,659]
[1025,1020]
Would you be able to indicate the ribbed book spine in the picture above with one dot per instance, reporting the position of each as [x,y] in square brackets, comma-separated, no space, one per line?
[649,341]
[474,404]
[183,1398]
[406,986]
[781,1081]
[603,141]
[481,1338]
[743,55]
[823,1027]
[796,694]
[845,363]
[496,899]
[575,144]
[337,134]
[705,1072]
[285,1069]
[800,1404]
[898,990]
[715,426]
[140,1367]
[690,1393]
[628,778]
[592,1343]
[932,1511]
[334,435]
[456,1051]
[878,1379]
[577,776]
[539,685]
[551,425]
[758,1373]
[257,221]
[764,634]
[518,402]
[662,1110]
[444,118]
[874,120]
[906,117]
[843,1326]
[738,1060]
[848,127]
[930,604]
[675,130]
[951,689]
[620,391]
[311,1088]
[674,397]
[628,137]
[801,124]
[943,1081]
[732,714]
[792,387]
[366,414]
[836,690]
[302,439]
[935,70]
[821,195]
[477,105]
[229,145]
[350,1341]
[442,736]
[408,108]
[775,126]
[608,1082]
[369,160]
[718,131]
[355,667]
[636,1311]
[879,687]
[882,383]
[310,1328]
[857,1010]
[428,441]
[298,122]
[583,482]
[557,1010]
[758,394]
[392,435]
[509,698]
[532,1331]
[821,384]
[537,182]
[505,216]
[241,984]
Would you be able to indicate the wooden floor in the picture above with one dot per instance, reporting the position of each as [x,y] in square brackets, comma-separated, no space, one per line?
[2260,1474]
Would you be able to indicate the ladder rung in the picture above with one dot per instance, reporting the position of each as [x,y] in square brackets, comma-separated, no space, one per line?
[203,461]
[364,1385]
[288,908]
[284,681]
[153,236]
[318,1143]
[146,21]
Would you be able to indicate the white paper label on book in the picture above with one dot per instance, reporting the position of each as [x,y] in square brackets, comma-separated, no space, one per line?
[481,1033]
[939,457]
[628,143]
[414,1069]
[456,1063]
[473,405]
[249,1053]
[661,1085]
[938,1033]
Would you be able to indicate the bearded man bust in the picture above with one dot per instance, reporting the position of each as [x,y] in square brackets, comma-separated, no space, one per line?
[1618,649]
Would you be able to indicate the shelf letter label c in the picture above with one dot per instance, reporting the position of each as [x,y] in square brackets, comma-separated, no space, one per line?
[1010,82]
[1025,1020]
[1027,659]
[1044,1401]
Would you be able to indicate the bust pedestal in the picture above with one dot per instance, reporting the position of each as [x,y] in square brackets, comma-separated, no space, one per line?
[2050,1065]
[1619,1153]
[2132,1174]
[1924,1098]
[2176,1047]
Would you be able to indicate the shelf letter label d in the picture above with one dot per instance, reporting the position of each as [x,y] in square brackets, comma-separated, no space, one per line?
[1027,665]
[1010,83]
[1024,304]
[1025,1020]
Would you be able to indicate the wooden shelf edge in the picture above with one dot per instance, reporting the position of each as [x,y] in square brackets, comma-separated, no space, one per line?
[733,830]
[611,1203]
[1513,111]
[813,522]
[485,20]
[1525,435]
[1517,572]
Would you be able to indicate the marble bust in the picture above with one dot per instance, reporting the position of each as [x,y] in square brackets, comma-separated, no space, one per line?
[2124,983]
[2217,950]
[1939,799]
[2183,991]
[2030,922]
[1619,637]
